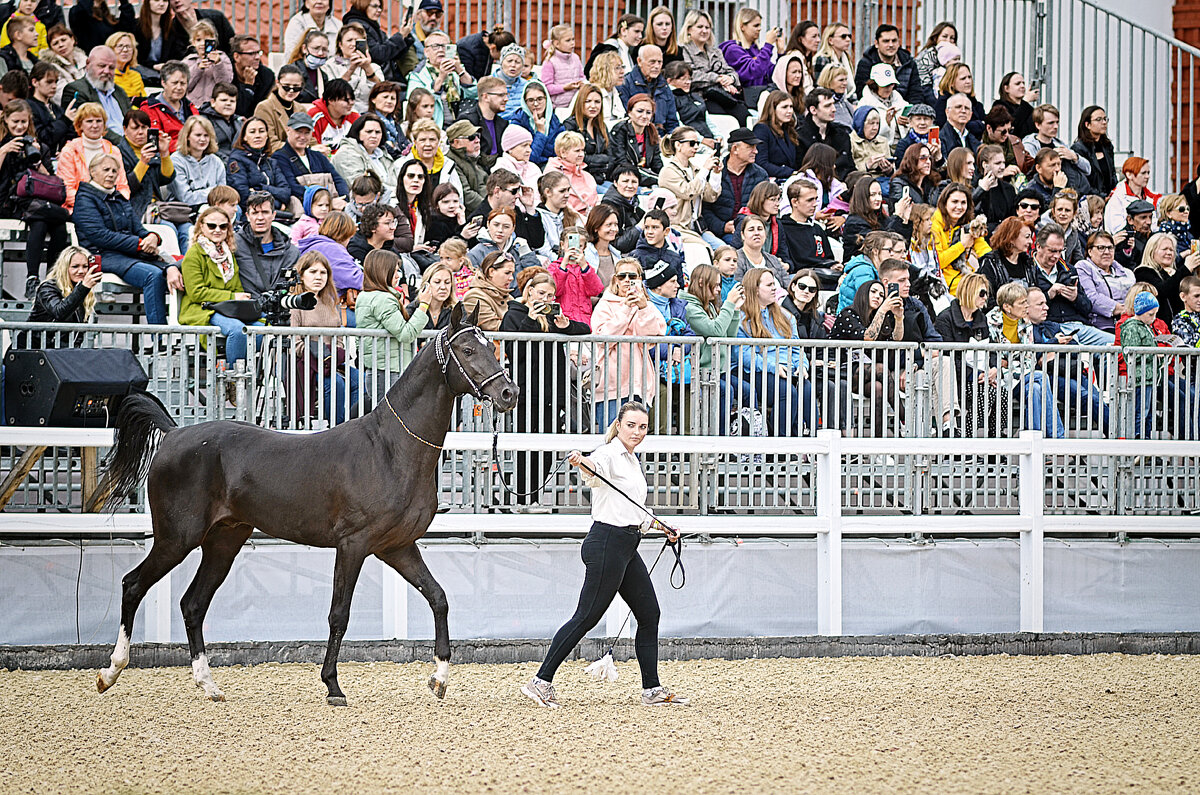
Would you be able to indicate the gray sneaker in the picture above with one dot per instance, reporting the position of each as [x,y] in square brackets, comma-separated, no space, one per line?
[660,695]
[541,692]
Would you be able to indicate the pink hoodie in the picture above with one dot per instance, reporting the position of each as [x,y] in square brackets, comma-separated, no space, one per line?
[583,195]
[575,287]
[624,368]
[558,70]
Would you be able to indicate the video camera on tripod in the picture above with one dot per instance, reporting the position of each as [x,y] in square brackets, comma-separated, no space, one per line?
[274,306]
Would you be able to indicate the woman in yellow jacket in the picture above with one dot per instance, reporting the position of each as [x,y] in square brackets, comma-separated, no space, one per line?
[958,236]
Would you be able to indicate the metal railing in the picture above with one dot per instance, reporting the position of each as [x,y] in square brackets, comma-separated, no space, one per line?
[895,392]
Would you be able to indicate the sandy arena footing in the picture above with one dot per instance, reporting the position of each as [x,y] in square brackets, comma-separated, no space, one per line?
[1097,724]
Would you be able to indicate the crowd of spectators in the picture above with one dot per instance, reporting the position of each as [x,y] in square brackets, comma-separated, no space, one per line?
[400,172]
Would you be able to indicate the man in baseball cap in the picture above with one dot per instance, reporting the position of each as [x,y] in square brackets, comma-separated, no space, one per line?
[738,178]
[295,159]
[463,140]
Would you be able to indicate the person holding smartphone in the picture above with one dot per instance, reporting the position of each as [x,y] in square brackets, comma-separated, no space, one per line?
[67,295]
[352,62]
[541,370]
[207,65]
[576,282]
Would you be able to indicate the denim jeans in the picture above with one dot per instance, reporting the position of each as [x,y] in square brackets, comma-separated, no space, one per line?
[235,336]
[335,394]
[1040,407]
[712,240]
[1089,335]
[782,402]
[736,394]
[1083,396]
[152,281]
[1180,405]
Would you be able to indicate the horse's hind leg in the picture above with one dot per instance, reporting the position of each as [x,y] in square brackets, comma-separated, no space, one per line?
[411,566]
[165,554]
[345,575]
[220,547]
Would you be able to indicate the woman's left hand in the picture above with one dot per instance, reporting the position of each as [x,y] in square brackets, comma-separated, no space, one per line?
[175,279]
[561,320]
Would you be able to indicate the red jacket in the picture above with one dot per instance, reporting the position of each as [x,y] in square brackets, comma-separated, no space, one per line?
[323,130]
[575,288]
[165,119]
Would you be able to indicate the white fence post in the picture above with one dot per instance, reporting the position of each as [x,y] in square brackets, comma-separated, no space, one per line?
[1032,500]
[829,537]
[395,604]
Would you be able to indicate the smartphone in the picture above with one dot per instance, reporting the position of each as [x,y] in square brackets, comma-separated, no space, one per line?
[935,135]
[906,111]
[1195,246]
[552,310]
[907,195]
[209,46]
[361,46]
[893,289]
[93,262]
[660,202]
[574,241]
[452,51]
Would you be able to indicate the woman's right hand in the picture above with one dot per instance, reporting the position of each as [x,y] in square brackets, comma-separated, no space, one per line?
[12,147]
[425,293]
[574,458]
[738,295]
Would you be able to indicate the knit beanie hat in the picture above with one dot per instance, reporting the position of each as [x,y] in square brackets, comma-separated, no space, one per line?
[512,49]
[948,52]
[1143,303]
[515,135]
[660,274]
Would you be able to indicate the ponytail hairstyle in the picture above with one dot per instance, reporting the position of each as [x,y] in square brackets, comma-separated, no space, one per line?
[674,137]
[626,408]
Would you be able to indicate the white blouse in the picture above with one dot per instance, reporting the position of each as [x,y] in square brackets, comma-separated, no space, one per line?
[624,469]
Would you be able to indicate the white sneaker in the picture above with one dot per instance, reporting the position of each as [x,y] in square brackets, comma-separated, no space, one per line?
[542,693]
[660,695]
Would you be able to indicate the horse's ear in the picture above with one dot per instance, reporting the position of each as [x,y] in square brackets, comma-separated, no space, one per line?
[474,319]
[456,315]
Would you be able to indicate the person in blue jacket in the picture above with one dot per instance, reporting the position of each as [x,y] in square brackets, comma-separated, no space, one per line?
[538,117]
[780,152]
[663,285]
[295,159]
[251,168]
[106,225]
[647,78]
[877,246]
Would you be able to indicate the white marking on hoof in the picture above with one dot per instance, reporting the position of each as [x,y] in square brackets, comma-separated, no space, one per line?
[203,676]
[335,701]
[439,680]
[117,662]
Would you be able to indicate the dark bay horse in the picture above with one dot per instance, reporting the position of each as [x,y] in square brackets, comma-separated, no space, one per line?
[366,487]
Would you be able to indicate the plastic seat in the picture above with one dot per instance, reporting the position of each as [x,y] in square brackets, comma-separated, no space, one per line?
[722,125]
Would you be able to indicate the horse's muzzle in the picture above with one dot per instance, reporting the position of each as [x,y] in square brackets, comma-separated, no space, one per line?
[505,395]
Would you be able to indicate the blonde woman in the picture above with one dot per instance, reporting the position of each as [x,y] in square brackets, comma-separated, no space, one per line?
[710,316]
[198,169]
[753,63]
[126,76]
[1164,269]
[837,48]
[712,78]
[67,295]
[778,374]
[210,274]
[625,370]
[836,78]
[439,278]
[607,73]
[91,122]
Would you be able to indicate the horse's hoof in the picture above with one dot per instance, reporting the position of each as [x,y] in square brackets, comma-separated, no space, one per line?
[101,685]
[218,697]
[437,686]
[336,701]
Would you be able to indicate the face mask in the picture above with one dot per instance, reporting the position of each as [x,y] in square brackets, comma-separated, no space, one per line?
[313,62]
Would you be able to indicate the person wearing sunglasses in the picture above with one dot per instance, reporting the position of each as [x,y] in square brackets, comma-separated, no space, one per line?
[210,274]
[1105,281]
[281,104]
[464,149]
[965,321]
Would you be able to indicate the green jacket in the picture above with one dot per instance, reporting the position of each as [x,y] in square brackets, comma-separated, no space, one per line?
[202,282]
[725,324]
[377,309]
[1136,334]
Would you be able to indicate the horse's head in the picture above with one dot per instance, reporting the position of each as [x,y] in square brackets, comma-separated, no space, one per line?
[469,362]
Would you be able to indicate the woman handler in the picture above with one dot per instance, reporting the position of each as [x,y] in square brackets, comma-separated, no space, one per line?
[611,559]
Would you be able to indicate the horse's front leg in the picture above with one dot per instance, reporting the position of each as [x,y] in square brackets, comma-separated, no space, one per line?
[407,561]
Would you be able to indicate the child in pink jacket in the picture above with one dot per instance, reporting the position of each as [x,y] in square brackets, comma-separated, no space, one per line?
[576,282]
[562,72]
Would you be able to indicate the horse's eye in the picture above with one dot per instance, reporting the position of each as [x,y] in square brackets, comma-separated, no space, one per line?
[468,351]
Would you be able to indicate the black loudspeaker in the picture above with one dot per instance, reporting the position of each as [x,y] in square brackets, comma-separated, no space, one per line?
[69,387]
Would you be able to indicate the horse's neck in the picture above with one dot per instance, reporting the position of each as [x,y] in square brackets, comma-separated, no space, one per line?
[421,401]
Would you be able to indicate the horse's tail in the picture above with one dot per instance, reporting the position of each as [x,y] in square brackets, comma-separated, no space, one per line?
[141,422]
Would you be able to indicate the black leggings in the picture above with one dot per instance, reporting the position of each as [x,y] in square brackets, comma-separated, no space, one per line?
[36,248]
[612,566]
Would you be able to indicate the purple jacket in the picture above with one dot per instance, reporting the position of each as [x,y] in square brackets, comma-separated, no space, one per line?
[754,65]
[347,274]
[1105,294]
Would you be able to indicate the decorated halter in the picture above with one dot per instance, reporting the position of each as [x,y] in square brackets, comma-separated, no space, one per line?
[444,349]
